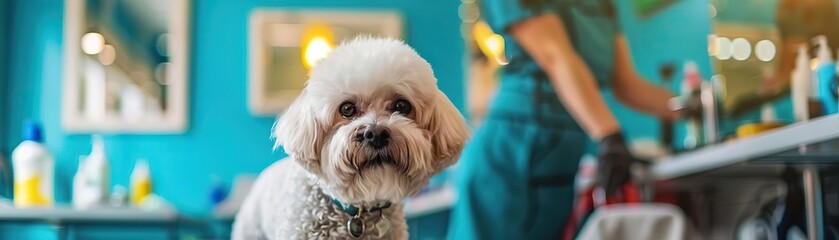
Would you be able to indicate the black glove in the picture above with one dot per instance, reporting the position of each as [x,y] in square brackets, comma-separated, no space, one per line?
[614,161]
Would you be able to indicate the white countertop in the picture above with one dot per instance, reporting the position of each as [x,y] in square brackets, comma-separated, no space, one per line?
[742,150]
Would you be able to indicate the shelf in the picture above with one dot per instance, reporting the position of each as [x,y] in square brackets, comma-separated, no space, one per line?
[68,214]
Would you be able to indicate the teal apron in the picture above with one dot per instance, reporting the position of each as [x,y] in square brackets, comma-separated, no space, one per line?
[516,175]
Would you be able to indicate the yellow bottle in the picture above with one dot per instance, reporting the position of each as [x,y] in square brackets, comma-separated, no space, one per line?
[141,186]
[27,193]
[33,170]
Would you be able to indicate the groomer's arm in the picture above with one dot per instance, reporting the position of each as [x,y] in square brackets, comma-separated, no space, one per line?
[545,39]
[633,90]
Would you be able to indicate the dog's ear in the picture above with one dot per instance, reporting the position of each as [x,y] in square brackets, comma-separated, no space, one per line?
[298,131]
[448,131]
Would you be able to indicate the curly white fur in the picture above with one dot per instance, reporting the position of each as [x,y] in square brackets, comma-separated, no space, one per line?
[293,199]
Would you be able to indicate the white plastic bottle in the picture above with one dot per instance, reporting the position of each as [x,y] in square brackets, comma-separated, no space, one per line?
[801,78]
[93,178]
[767,114]
[33,168]
[79,188]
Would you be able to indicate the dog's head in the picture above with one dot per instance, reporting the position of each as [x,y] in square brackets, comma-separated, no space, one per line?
[371,123]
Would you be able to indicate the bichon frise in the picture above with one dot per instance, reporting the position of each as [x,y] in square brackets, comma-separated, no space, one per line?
[369,129]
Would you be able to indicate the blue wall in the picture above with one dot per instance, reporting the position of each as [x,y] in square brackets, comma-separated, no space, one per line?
[677,34]
[223,138]
[4,26]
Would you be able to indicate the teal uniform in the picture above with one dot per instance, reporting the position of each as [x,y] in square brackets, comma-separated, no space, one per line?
[516,176]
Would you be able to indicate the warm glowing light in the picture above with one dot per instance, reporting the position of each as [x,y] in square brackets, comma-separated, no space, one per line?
[317,49]
[495,44]
[724,49]
[765,50]
[108,55]
[741,49]
[814,63]
[317,44]
[92,43]
[490,43]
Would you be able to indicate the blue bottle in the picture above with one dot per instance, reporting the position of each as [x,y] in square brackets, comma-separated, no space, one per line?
[826,76]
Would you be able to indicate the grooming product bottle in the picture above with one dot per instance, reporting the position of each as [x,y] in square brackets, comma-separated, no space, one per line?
[141,185]
[826,75]
[801,79]
[94,177]
[79,199]
[33,168]
[767,114]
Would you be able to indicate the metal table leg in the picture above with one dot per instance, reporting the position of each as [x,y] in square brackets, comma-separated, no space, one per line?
[813,203]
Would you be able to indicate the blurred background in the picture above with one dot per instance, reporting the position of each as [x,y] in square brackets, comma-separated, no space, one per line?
[173,100]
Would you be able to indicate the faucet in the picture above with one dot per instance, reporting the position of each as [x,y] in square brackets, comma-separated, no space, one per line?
[703,100]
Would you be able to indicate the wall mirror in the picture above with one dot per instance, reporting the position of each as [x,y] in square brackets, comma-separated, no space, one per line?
[285,44]
[126,66]
[754,45]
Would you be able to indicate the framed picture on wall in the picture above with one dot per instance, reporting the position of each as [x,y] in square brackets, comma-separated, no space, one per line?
[285,44]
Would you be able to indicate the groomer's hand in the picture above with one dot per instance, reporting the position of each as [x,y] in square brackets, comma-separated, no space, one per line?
[614,161]
[686,107]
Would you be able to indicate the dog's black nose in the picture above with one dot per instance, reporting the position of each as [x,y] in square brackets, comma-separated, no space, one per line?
[376,136]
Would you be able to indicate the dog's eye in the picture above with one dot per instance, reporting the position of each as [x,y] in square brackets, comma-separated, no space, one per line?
[347,109]
[402,106]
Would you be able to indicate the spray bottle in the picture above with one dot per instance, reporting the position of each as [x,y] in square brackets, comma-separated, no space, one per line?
[93,180]
[826,75]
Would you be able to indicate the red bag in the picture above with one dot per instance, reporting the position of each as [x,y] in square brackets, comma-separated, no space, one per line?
[586,203]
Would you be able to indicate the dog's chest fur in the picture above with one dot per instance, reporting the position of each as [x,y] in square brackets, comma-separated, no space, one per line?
[286,203]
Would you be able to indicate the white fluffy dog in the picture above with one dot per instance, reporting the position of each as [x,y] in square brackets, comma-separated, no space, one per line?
[369,129]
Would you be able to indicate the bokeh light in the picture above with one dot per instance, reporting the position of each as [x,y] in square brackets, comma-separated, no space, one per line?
[92,43]
[741,49]
[765,50]
[108,55]
[724,49]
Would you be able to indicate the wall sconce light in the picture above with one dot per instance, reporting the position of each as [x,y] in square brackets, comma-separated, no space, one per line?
[490,43]
[318,42]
